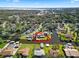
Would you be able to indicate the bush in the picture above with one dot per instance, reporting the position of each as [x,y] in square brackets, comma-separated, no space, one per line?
[1,41]
[56,46]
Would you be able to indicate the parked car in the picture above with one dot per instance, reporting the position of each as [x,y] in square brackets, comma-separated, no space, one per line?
[17,42]
[41,45]
[11,42]
[8,41]
[69,45]
[47,45]
[16,46]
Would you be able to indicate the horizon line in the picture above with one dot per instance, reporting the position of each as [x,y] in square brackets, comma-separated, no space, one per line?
[36,7]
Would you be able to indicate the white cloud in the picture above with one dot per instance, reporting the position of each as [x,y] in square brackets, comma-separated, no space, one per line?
[13,0]
[73,1]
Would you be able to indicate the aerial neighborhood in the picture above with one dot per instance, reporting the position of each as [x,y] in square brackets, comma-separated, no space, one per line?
[39,33]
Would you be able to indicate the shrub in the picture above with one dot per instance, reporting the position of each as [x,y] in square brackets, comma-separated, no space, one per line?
[1,41]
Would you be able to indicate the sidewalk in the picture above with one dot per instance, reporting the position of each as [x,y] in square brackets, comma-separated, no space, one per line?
[5,46]
[16,49]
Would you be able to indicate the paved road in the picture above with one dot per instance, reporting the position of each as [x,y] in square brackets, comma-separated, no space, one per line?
[13,47]
[55,38]
[40,26]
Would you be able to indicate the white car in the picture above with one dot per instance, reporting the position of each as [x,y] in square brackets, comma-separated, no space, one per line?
[17,42]
[47,45]
[42,45]
[30,38]
[69,45]
[11,42]
[8,41]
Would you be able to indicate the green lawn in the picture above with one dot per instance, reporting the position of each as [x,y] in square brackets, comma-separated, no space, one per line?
[46,49]
[61,53]
[63,38]
[31,46]
[2,45]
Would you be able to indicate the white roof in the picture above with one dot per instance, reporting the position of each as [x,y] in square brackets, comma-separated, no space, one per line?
[71,52]
[39,52]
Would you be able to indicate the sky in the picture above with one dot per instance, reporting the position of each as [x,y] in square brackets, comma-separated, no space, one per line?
[39,3]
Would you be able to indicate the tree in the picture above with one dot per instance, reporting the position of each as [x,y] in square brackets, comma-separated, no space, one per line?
[55,47]
[1,41]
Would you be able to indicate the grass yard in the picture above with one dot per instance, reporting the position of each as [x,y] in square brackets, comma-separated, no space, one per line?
[46,49]
[64,38]
[2,45]
[61,53]
[31,46]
